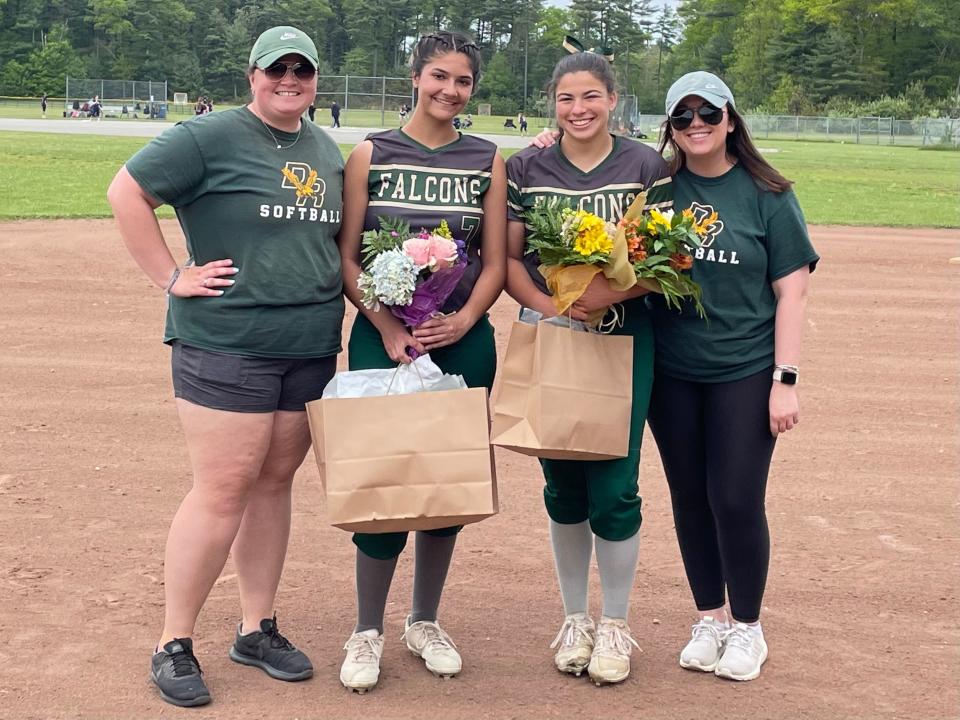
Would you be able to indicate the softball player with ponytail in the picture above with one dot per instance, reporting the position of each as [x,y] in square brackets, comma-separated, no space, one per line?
[590,504]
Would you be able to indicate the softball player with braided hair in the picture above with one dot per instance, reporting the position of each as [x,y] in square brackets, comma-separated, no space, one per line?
[424,172]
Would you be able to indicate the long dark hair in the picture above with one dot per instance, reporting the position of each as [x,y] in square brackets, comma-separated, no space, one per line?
[739,145]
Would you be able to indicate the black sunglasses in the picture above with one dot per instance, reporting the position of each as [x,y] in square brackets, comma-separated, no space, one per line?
[278,71]
[708,113]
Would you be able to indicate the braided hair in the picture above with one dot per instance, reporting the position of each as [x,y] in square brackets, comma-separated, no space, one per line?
[434,44]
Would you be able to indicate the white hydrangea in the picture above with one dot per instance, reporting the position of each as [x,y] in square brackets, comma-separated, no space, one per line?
[390,279]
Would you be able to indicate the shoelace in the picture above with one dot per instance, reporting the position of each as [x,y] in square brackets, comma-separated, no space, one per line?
[740,638]
[364,648]
[277,641]
[571,630]
[614,638]
[437,638]
[703,630]
[185,663]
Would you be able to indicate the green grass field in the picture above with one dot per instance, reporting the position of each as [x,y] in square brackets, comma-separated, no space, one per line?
[30,110]
[50,176]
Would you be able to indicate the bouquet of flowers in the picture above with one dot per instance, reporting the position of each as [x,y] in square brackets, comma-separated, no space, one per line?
[573,246]
[412,274]
[659,246]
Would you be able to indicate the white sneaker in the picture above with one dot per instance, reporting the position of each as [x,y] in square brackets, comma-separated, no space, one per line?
[705,646]
[429,641]
[361,667]
[574,643]
[744,653]
[610,661]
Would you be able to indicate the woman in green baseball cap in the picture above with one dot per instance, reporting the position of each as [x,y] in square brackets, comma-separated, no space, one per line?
[253,318]
[725,389]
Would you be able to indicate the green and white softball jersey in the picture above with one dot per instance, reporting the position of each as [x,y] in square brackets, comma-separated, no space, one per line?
[607,190]
[275,213]
[424,186]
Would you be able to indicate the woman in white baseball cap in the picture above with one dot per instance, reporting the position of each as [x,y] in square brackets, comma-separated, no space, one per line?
[725,389]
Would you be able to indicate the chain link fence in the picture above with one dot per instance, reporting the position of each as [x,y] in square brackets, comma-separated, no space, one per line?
[353,92]
[862,130]
[118,97]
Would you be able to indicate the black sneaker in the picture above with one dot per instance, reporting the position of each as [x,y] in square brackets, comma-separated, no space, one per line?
[270,651]
[176,672]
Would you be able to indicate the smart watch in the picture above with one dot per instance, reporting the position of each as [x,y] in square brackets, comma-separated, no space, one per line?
[786,374]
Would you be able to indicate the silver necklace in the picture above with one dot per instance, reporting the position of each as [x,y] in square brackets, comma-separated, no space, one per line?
[279,146]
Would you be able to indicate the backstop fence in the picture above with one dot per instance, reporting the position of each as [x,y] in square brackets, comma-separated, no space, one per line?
[148,97]
[860,130]
[354,92]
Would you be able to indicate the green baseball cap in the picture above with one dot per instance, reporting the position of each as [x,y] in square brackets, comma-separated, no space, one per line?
[702,84]
[282,40]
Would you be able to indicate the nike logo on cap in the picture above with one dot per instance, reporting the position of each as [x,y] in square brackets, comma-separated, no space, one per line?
[288,36]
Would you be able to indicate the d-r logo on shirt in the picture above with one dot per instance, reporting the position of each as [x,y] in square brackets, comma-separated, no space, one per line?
[701,213]
[302,178]
[714,226]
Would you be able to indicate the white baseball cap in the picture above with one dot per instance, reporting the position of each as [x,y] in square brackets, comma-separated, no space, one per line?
[702,84]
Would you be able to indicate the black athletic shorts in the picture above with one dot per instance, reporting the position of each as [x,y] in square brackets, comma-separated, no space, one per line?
[241,383]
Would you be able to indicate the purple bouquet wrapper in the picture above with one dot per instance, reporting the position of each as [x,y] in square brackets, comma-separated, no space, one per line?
[430,295]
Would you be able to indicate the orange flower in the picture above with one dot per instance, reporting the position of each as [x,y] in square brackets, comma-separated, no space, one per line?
[680,261]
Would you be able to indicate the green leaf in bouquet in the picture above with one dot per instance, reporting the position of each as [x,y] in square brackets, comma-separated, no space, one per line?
[391,235]
[667,270]
[658,245]
[545,236]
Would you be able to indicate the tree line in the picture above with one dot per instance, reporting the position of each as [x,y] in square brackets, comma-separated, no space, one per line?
[886,57]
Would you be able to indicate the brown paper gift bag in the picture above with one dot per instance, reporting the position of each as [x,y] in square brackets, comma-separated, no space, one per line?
[564,394]
[405,462]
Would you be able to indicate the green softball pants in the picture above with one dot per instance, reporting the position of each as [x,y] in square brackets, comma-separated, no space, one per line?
[474,356]
[605,492]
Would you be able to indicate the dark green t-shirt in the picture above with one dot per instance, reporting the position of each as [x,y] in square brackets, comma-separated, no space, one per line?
[758,237]
[274,212]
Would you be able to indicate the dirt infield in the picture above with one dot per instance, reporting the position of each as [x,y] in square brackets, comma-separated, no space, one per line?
[862,604]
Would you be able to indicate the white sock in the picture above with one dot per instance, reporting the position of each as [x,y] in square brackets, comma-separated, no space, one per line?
[618,568]
[572,549]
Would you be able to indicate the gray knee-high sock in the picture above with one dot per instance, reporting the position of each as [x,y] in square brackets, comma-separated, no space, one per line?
[572,548]
[433,557]
[618,568]
[373,585]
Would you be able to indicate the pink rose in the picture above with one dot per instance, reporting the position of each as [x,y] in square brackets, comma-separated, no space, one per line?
[433,252]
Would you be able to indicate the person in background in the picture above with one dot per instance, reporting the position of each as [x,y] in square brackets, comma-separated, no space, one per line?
[335,113]
[43,105]
[727,388]
[254,319]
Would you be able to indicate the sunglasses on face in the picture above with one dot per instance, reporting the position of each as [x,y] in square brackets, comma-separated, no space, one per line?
[278,71]
[683,118]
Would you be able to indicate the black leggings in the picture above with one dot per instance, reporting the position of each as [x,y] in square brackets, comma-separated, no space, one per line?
[715,443]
